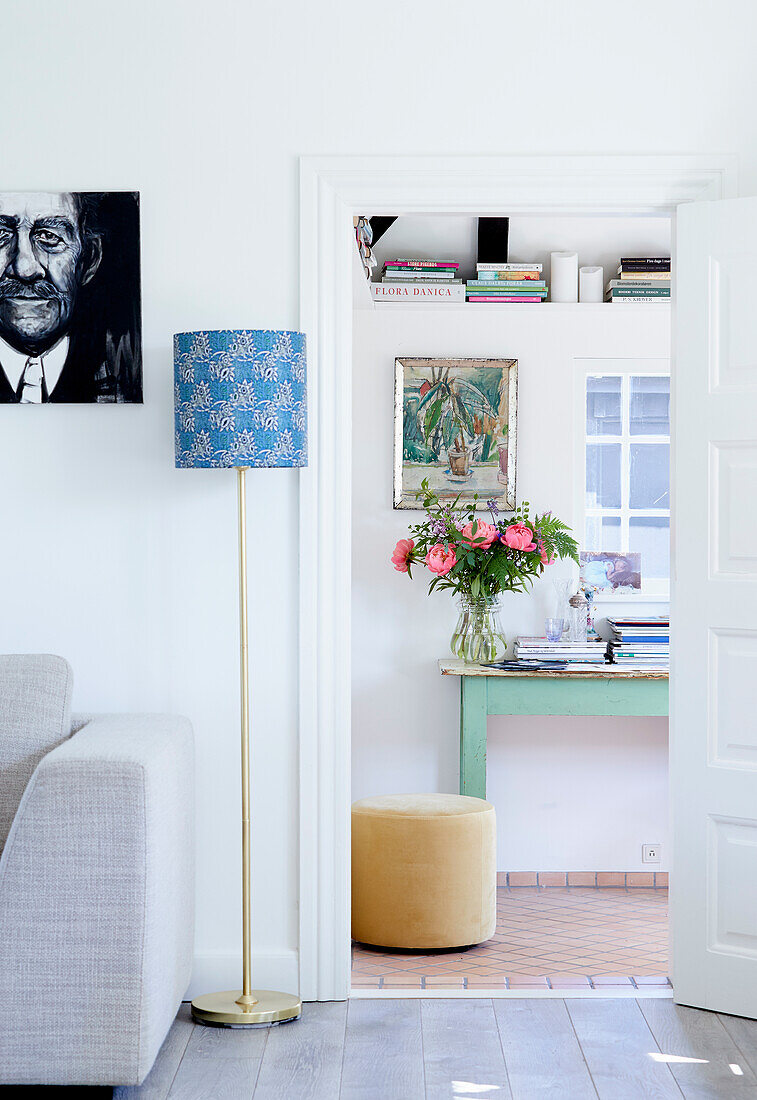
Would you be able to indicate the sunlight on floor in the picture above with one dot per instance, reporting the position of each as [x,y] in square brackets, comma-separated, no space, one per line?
[676,1059]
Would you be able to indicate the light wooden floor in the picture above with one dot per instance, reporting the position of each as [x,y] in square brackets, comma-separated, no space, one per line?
[464,1050]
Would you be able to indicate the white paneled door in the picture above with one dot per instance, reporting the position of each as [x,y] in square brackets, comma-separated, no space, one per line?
[714,609]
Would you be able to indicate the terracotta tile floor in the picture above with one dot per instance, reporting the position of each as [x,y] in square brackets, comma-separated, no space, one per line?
[558,937]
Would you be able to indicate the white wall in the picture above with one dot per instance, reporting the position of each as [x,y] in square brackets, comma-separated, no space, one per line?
[571,794]
[127,566]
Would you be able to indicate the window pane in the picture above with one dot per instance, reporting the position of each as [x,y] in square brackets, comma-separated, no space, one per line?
[650,405]
[610,533]
[650,475]
[602,533]
[650,537]
[603,406]
[603,475]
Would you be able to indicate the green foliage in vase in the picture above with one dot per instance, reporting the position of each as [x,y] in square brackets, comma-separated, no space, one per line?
[479,559]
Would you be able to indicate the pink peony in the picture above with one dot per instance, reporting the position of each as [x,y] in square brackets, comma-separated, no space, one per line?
[440,559]
[401,555]
[485,535]
[518,536]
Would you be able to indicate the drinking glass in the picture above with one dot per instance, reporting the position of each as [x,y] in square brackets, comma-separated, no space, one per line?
[553,628]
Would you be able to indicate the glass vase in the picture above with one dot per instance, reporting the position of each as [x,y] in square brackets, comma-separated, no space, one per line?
[478,636]
[577,628]
[562,589]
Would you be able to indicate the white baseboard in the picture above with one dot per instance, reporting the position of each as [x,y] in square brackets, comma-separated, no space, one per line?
[216,971]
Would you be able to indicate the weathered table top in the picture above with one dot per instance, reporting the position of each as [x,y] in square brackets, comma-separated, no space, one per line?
[450,667]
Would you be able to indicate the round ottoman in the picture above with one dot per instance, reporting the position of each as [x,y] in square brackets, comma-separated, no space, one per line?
[424,870]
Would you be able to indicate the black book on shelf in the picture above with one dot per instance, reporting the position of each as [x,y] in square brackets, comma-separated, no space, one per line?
[493,237]
[642,263]
[641,272]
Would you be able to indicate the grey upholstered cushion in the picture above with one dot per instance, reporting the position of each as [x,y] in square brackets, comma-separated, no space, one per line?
[35,716]
[97,905]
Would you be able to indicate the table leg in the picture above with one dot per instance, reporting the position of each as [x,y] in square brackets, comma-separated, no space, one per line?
[473,735]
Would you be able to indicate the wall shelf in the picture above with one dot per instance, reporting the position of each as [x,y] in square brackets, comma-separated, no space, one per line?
[522,307]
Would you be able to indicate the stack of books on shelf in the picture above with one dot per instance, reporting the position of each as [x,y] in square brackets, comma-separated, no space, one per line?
[514,282]
[578,653]
[419,281]
[640,644]
[640,279]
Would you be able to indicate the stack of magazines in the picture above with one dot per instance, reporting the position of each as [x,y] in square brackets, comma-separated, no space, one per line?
[579,653]
[640,644]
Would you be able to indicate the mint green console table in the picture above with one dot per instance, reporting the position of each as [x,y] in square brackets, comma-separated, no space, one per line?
[584,690]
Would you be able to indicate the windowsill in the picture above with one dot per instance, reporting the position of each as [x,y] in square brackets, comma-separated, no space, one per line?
[616,599]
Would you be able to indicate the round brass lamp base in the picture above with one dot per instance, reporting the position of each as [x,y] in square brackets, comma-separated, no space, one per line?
[222,1009]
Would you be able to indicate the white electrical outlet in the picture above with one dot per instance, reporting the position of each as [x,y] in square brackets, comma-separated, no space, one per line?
[650,853]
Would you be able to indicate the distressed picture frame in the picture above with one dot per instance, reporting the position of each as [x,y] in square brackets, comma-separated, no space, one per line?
[455,424]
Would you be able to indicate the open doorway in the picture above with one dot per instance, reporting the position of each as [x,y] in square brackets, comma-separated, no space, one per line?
[581,802]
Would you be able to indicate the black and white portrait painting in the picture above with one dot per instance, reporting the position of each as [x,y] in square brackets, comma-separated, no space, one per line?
[70,301]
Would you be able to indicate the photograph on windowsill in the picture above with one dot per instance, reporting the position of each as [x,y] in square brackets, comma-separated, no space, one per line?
[611,572]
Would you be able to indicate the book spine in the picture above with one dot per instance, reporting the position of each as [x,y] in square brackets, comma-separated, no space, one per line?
[639,284]
[633,292]
[504,298]
[422,282]
[508,276]
[422,263]
[509,284]
[644,272]
[410,273]
[628,300]
[418,293]
[508,267]
[645,261]
[648,277]
[624,273]
[641,655]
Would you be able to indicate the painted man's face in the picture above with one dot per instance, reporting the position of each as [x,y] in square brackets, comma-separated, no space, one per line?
[43,263]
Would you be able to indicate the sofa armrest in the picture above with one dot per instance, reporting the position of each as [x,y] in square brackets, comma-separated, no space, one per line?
[96,904]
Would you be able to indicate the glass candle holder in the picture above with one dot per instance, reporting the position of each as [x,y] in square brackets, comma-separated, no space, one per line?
[553,628]
[577,619]
[562,610]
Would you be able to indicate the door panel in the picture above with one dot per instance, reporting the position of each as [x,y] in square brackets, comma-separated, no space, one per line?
[714,609]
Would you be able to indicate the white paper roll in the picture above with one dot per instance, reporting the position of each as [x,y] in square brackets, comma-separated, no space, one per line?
[564,277]
[590,284]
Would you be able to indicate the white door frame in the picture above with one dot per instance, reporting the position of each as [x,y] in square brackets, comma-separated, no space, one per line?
[332,190]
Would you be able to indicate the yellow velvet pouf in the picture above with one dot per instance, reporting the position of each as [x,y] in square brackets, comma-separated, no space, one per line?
[424,871]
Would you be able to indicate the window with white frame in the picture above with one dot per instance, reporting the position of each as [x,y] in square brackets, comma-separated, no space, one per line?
[627,470]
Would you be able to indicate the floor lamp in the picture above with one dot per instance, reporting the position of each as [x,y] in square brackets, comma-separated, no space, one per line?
[240,399]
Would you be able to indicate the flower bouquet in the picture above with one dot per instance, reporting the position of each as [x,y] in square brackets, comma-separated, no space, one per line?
[478,560]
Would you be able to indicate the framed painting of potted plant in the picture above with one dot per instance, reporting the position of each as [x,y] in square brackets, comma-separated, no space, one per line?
[455,425]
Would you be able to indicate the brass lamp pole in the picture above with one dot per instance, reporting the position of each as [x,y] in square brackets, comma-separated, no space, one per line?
[220,386]
[247,1007]
[246,998]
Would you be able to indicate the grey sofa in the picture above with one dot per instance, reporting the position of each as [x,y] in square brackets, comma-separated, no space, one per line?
[96,882]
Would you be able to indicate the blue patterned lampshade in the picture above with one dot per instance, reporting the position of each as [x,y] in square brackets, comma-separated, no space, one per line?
[240,398]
